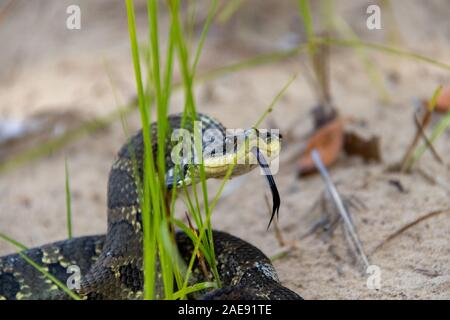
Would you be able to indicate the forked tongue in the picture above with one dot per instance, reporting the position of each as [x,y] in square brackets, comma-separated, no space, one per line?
[273,187]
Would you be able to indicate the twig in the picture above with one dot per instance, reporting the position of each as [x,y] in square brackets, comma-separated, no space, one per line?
[438,130]
[283,253]
[405,164]
[427,141]
[201,258]
[340,206]
[408,226]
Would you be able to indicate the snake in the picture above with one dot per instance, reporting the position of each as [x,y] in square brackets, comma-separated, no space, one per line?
[110,266]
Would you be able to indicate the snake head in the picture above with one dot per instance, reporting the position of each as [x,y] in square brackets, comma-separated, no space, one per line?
[219,154]
[238,151]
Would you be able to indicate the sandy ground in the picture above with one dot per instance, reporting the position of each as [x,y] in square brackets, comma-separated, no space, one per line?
[52,69]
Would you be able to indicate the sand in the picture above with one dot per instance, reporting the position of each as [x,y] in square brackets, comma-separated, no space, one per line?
[52,69]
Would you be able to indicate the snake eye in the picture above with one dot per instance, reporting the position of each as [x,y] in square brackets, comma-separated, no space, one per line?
[278,135]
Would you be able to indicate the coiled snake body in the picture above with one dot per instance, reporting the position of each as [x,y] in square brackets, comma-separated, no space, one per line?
[111,265]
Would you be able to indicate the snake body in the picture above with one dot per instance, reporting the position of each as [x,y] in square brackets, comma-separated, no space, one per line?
[111,265]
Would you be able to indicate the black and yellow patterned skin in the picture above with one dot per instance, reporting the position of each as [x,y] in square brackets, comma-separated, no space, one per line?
[20,280]
[111,265]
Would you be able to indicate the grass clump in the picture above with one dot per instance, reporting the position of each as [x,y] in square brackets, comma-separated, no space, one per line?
[157,216]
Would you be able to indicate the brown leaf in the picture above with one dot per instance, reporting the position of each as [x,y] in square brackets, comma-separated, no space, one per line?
[443,101]
[328,141]
[368,150]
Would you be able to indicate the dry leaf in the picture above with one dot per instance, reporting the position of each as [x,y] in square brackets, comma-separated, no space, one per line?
[328,141]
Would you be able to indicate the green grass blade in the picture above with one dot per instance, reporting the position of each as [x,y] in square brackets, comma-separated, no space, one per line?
[305,13]
[440,128]
[149,242]
[190,233]
[152,7]
[209,19]
[432,104]
[190,108]
[229,10]
[227,176]
[13,242]
[68,201]
[384,49]
[196,287]
[50,277]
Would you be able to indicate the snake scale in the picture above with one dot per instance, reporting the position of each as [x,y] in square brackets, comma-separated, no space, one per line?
[111,265]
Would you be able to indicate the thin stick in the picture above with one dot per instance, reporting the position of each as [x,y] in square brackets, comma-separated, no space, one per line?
[428,143]
[339,205]
[408,226]
[408,157]
[274,101]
